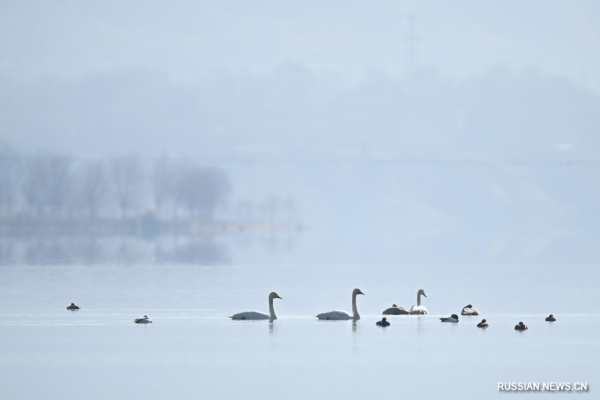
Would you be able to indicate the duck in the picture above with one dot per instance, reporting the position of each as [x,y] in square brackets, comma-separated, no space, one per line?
[383,323]
[521,327]
[469,310]
[550,318]
[343,315]
[453,318]
[395,310]
[257,315]
[73,307]
[419,309]
[483,324]
[144,320]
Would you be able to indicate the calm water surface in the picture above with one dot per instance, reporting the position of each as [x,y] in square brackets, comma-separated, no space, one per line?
[194,350]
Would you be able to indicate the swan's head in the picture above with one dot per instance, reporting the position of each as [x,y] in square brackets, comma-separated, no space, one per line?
[421,291]
[357,291]
[274,295]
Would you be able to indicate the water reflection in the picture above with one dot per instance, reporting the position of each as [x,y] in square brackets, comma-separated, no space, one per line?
[94,250]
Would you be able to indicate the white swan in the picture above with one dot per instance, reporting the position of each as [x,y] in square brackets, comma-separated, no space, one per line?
[144,320]
[469,310]
[419,309]
[343,315]
[255,315]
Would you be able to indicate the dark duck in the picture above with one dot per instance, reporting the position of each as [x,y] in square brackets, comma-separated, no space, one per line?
[521,327]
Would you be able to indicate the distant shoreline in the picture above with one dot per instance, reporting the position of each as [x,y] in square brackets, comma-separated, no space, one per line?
[147,225]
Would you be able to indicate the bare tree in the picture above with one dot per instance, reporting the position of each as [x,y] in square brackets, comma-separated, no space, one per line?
[8,179]
[127,175]
[201,190]
[47,184]
[92,188]
[163,184]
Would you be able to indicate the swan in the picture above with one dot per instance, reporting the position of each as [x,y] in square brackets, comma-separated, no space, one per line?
[144,320]
[343,315]
[419,309]
[483,324]
[550,318]
[384,322]
[256,315]
[453,318]
[521,327]
[73,307]
[469,310]
[395,310]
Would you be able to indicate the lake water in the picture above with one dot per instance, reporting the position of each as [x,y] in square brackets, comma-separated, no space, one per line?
[192,350]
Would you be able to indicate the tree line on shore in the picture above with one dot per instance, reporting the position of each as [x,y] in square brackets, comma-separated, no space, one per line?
[50,188]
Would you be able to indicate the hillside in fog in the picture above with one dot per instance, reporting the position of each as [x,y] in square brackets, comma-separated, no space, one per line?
[294,114]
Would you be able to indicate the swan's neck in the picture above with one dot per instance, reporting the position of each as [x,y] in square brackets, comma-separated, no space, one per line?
[355,313]
[272,309]
[419,299]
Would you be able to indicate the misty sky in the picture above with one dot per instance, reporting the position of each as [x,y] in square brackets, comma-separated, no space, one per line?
[190,40]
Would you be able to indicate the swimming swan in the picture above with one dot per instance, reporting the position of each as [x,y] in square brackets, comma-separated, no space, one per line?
[255,315]
[483,324]
[550,318]
[469,310]
[453,318]
[343,315]
[73,307]
[144,320]
[383,323]
[395,310]
[419,309]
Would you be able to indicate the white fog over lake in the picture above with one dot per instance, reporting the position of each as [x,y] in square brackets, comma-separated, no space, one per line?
[184,160]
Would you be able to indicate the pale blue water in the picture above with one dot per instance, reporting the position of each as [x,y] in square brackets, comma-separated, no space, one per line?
[192,350]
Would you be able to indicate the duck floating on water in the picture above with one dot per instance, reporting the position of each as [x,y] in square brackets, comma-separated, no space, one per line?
[256,315]
[419,309]
[550,318]
[395,310]
[521,327]
[73,307]
[343,315]
[384,322]
[469,310]
[483,324]
[144,320]
[453,318]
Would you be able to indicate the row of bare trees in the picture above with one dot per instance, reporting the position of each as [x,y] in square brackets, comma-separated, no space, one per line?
[51,186]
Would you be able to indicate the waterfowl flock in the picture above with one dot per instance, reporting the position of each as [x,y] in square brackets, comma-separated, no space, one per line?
[337,315]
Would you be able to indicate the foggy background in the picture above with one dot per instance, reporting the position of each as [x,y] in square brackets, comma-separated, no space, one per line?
[390,132]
